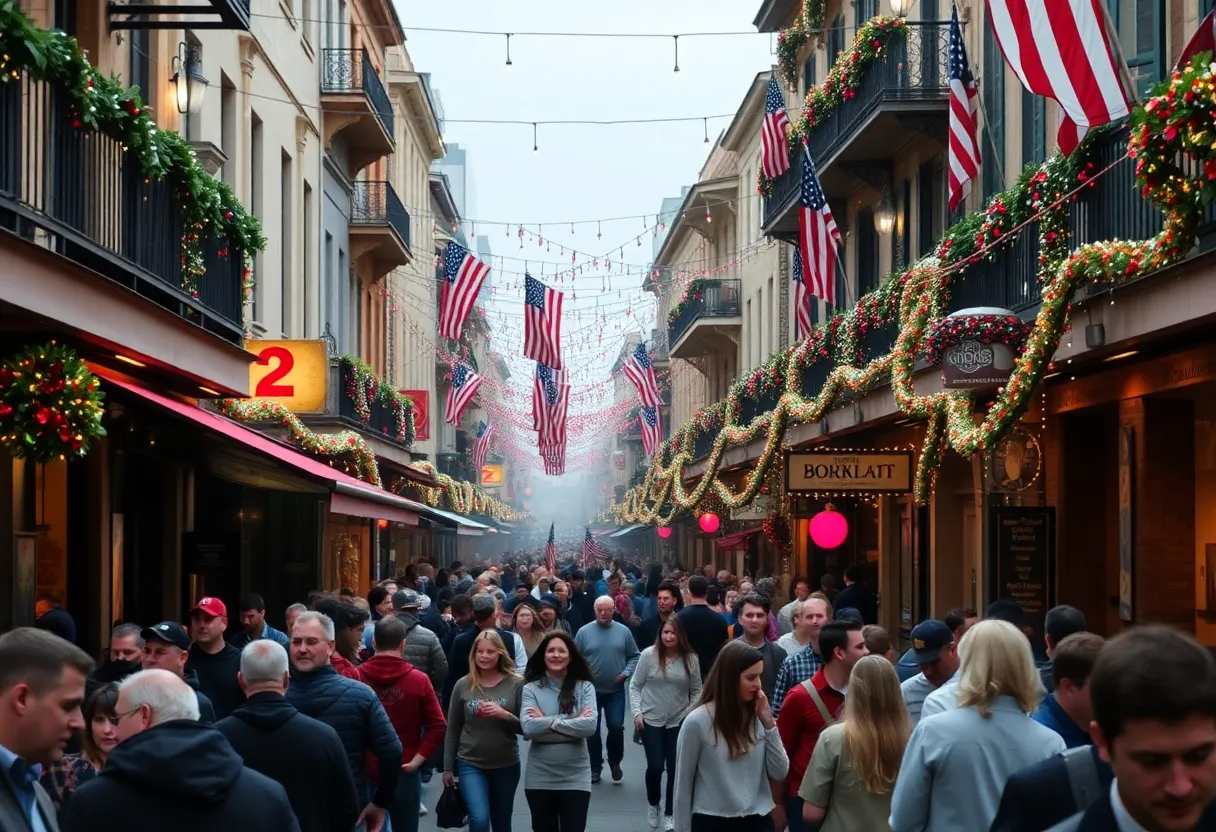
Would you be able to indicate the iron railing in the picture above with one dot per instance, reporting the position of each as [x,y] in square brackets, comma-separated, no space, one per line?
[82,195]
[717,298]
[377,203]
[351,70]
[381,420]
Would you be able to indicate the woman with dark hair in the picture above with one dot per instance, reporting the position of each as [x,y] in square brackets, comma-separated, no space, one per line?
[72,771]
[665,686]
[526,623]
[729,750]
[558,714]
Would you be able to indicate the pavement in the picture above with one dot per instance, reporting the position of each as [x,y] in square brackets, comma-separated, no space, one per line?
[615,807]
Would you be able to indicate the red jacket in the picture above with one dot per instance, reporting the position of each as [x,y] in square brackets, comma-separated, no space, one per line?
[800,723]
[344,667]
[410,702]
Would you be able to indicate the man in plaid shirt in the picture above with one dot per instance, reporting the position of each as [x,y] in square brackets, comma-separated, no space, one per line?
[802,664]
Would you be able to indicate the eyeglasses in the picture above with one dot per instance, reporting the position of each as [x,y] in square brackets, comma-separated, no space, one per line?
[117,718]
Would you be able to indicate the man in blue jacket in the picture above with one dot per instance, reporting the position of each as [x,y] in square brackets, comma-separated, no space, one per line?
[1067,710]
[347,706]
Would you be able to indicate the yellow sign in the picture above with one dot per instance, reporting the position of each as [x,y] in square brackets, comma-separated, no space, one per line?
[292,373]
[492,475]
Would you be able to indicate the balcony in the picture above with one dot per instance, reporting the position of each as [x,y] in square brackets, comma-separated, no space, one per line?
[379,227]
[380,421]
[209,14]
[900,99]
[708,321]
[659,356]
[355,104]
[77,193]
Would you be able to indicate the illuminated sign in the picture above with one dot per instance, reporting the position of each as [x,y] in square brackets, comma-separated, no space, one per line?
[293,373]
[492,475]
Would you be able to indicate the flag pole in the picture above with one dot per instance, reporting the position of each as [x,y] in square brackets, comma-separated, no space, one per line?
[1112,37]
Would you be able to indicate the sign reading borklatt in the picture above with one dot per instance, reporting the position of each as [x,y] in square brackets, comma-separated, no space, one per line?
[871,471]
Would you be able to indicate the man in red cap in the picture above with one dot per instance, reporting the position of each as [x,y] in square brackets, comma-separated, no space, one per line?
[216,662]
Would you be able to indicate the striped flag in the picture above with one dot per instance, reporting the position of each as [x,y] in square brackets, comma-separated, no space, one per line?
[964,149]
[542,323]
[802,299]
[818,235]
[1204,40]
[544,389]
[639,370]
[774,148]
[593,551]
[464,384]
[463,275]
[555,402]
[1059,49]
[481,447]
[551,552]
[652,429]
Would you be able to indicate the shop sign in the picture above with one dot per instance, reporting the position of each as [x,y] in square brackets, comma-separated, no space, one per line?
[969,365]
[293,373]
[1022,540]
[761,508]
[852,471]
[422,412]
[492,475]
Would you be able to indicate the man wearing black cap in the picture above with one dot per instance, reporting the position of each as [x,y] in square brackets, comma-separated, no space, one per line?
[167,647]
[934,651]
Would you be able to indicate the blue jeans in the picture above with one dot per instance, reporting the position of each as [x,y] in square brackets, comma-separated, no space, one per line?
[612,709]
[403,814]
[489,795]
[660,745]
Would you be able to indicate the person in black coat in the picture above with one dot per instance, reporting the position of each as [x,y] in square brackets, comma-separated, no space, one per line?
[1037,798]
[170,771]
[303,754]
[857,595]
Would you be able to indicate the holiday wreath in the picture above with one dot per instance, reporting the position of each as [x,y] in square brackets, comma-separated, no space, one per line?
[50,404]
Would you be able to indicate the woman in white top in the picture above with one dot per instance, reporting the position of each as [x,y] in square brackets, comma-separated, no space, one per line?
[729,750]
[665,686]
[957,762]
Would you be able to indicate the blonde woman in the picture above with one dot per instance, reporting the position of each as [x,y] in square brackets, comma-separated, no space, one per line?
[481,747]
[957,762]
[527,625]
[853,768]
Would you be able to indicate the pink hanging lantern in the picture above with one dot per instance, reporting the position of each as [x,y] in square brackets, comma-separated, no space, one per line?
[709,523]
[829,528]
[663,532]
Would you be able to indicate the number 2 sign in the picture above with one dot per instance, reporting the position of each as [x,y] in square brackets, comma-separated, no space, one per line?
[292,373]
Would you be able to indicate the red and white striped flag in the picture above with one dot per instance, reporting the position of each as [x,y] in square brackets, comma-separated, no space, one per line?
[964,148]
[542,323]
[640,372]
[774,146]
[550,403]
[464,275]
[652,429]
[464,384]
[818,235]
[551,553]
[803,319]
[1204,40]
[555,459]
[481,446]
[1060,49]
[594,552]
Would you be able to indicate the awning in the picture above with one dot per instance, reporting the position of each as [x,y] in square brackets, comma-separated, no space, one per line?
[737,540]
[628,530]
[463,525]
[350,496]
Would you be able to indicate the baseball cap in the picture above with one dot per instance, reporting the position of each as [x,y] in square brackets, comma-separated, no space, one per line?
[406,599]
[170,632]
[483,603]
[928,639]
[212,606]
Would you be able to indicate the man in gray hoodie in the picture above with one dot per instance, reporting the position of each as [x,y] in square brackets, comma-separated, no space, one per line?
[612,655]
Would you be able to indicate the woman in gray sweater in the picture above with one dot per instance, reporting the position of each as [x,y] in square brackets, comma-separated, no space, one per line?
[558,713]
[729,750]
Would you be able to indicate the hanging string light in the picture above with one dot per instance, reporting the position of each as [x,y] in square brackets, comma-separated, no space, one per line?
[508,64]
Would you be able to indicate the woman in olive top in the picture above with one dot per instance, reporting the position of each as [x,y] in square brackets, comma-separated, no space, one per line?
[849,781]
[481,748]
[559,713]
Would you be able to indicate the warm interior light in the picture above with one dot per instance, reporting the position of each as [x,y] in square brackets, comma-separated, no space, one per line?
[1127,354]
[899,8]
[188,80]
[131,361]
[884,219]
[1050,375]
[210,392]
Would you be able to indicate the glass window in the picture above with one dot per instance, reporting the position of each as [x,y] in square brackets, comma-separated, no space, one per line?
[1141,28]
[835,38]
[924,210]
[808,74]
[1034,128]
[867,252]
[992,94]
[863,10]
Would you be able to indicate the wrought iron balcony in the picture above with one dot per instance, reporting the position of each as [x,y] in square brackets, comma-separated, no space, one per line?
[381,420]
[355,103]
[379,227]
[209,14]
[81,195]
[708,318]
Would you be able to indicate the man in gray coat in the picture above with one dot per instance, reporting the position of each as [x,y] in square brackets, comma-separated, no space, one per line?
[422,647]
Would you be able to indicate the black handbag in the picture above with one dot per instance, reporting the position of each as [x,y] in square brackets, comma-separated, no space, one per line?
[450,812]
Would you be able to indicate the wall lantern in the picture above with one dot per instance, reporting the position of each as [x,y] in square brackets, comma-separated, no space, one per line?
[899,8]
[884,219]
[188,80]
[829,528]
[709,523]
[663,532]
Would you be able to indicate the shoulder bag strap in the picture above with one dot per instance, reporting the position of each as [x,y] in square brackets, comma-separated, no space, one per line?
[1082,776]
[828,719]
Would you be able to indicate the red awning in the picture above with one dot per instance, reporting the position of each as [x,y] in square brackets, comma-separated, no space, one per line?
[737,540]
[351,496]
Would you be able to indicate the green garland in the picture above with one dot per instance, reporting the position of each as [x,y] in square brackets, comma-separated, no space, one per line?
[807,25]
[366,388]
[693,291]
[1171,124]
[463,497]
[209,208]
[50,404]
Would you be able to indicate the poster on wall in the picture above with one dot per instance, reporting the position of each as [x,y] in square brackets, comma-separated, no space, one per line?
[1126,517]
[1022,542]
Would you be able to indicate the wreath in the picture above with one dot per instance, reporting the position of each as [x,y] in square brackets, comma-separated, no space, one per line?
[50,404]
[949,332]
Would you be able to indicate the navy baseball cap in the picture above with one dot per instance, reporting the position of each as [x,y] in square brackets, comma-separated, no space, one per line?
[928,639]
[170,632]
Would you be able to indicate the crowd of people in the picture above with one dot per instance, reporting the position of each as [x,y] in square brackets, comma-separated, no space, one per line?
[756,714]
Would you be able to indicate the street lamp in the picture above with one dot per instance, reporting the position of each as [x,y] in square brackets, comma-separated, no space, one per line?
[899,8]
[884,219]
[188,80]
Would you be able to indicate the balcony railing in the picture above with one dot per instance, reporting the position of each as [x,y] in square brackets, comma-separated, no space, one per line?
[351,70]
[716,299]
[455,467]
[80,194]
[381,421]
[376,203]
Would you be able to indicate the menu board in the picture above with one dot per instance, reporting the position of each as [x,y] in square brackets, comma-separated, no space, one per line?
[1023,548]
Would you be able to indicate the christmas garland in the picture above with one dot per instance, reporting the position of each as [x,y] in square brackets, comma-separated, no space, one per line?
[1173,124]
[840,85]
[101,103]
[464,497]
[807,25]
[365,388]
[50,404]
[951,331]
[695,290]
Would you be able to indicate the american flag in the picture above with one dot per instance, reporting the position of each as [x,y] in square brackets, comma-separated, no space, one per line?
[818,235]
[554,457]
[464,384]
[1204,40]
[551,552]
[802,299]
[1059,49]
[652,429]
[481,447]
[774,148]
[464,275]
[593,551]
[550,402]
[544,387]
[639,371]
[542,323]
[964,149]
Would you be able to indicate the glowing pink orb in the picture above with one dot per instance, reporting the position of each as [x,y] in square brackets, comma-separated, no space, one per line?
[663,532]
[829,529]
[709,523]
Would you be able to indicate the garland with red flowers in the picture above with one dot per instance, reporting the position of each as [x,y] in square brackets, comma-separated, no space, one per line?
[50,404]
[695,290]
[951,331]
[807,25]
[365,388]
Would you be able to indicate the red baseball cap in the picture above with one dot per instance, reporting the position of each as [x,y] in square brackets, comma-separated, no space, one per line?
[212,606]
